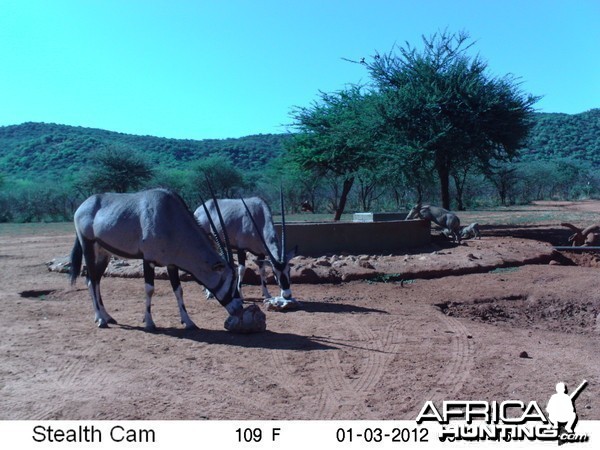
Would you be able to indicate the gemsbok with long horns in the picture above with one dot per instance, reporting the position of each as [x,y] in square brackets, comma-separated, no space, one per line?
[157,227]
[249,224]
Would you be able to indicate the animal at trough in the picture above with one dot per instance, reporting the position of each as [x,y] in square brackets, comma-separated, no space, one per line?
[470,231]
[249,224]
[447,220]
[583,237]
[157,227]
[306,206]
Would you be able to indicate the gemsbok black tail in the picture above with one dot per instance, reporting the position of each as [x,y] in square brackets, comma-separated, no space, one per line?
[76,259]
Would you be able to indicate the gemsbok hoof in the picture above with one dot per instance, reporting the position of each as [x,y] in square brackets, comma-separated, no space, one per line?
[102,323]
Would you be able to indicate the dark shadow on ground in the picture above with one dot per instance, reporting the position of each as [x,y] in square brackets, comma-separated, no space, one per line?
[267,339]
[551,235]
[330,307]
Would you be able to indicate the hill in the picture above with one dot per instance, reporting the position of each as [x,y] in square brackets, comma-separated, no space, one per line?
[556,136]
[40,150]
[33,150]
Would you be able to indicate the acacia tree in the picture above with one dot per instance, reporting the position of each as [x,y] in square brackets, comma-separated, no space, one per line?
[504,177]
[117,169]
[297,185]
[442,102]
[226,179]
[336,137]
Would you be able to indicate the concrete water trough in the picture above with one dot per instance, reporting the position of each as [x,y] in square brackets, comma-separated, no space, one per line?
[378,217]
[356,238]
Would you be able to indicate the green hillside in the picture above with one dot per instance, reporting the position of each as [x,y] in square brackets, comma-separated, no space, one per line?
[34,150]
[43,172]
[42,151]
[556,136]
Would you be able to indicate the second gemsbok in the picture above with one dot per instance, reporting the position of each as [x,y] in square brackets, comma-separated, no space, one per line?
[249,225]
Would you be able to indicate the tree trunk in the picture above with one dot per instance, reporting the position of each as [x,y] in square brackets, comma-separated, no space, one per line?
[444,175]
[343,197]
[460,180]
[502,192]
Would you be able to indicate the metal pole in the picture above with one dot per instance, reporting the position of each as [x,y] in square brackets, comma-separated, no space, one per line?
[565,248]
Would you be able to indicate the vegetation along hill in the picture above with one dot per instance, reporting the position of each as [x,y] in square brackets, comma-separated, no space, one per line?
[34,150]
[41,151]
[556,136]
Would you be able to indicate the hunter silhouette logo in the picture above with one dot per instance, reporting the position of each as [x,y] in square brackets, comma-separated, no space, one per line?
[561,408]
[477,420]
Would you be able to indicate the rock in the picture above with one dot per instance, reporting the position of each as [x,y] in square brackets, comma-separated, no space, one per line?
[366,264]
[305,275]
[250,320]
[322,261]
[60,264]
[339,264]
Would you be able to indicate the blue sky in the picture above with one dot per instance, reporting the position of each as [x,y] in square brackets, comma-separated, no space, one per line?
[202,69]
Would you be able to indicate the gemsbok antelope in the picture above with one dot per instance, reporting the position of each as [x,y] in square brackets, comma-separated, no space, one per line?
[249,224]
[447,220]
[157,227]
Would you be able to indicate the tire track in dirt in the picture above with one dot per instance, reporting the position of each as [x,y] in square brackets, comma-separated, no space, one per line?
[350,377]
[72,379]
[306,389]
[452,379]
[346,395]
[240,406]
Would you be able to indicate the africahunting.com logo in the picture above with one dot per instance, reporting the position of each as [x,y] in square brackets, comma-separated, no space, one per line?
[508,420]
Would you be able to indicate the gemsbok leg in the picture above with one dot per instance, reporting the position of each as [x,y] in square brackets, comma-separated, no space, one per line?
[260,261]
[96,261]
[176,285]
[149,288]
[241,270]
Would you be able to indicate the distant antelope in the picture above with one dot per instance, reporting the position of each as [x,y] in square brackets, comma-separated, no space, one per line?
[448,221]
[249,225]
[306,206]
[157,227]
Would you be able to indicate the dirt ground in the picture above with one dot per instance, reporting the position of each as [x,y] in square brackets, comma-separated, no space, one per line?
[503,317]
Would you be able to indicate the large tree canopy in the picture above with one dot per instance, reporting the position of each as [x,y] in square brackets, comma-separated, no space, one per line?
[117,169]
[337,135]
[442,103]
[224,177]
